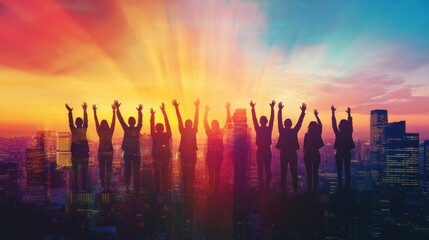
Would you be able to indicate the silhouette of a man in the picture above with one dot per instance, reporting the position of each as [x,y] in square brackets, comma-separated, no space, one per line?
[263,141]
[161,152]
[105,147]
[79,146]
[215,147]
[188,146]
[131,146]
[343,144]
[288,145]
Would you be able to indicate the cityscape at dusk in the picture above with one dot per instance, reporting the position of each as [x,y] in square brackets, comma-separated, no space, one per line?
[214,119]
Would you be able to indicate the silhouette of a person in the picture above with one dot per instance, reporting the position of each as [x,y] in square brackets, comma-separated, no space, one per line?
[131,146]
[105,147]
[215,147]
[188,146]
[263,141]
[288,145]
[161,152]
[79,146]
[343,144]
[312,143]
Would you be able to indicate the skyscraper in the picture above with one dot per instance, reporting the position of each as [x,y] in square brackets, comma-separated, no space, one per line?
[379,120]
[63,157]
[402,156]
[8,179]
[47,140]
[426,160]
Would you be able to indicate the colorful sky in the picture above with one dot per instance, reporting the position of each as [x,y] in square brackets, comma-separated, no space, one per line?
[361,53]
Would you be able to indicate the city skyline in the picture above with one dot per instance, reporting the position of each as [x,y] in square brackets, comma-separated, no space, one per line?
[318,52]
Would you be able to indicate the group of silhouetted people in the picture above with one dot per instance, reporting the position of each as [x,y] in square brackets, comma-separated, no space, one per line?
[288,145]
[161,150]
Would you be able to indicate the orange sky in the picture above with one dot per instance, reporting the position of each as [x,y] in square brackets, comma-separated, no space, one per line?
[57,52]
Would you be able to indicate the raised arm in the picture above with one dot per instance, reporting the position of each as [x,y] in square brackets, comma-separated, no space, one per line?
[179,117]
[228,113]
[206,121]
[197,107]
[350,119]
[316,114]
[112,124]
[97,124]
[85,115]
[254,119]
[152,123]
[271,123]
[279,117]
[301,118]
[118,112]
[334,120]
[167,123]
[140,117]
[70,115]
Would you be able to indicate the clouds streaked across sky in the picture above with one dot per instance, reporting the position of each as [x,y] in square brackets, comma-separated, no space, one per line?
[364,54]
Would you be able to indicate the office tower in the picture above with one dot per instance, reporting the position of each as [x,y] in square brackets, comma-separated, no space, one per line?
[63,154]
[36,166]
[378,121]
[426,160]
[47,140]
[8,179]
[402,156]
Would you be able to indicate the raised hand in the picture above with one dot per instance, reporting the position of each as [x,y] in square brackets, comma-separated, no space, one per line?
[197,102]
[303,107]
[228,105]
[84,106]
[252,104]
[94,107]
[207,108]
[272,104]
[349,110]
[175,103]
[281,105]
[140,108]
[162,107]
[113,106]
[69,108]
[316,113]
[333,108]
[152,111]
[117,104]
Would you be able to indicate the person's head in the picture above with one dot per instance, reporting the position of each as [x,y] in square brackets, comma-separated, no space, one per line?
[79,122]
[159,128]
[313,126]
[215,125]
[344,125]
[188,123]
[132,121]
[104,125]
[288,123]
[263,121]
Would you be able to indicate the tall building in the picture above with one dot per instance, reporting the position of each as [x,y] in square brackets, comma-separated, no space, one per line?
[402,156]
[47,140]
[36,165]
[378,121]
[426,160]
[63,154]
[8,179]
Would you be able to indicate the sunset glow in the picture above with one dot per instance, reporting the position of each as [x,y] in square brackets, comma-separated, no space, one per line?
[359,54]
